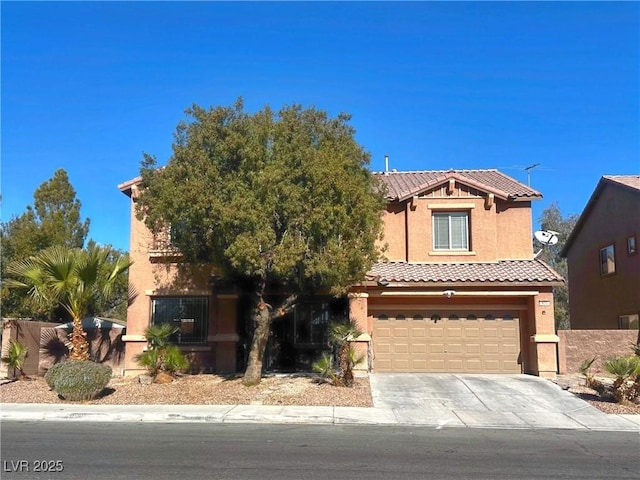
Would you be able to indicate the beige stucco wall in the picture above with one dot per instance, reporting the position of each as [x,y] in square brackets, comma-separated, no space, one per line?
[157,274]
[544,339]
[499,230]
[576,346]
[597,301]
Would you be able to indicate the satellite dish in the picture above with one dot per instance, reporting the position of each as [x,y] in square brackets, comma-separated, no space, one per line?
[546,237]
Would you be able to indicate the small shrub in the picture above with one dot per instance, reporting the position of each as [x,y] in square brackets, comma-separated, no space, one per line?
[174,360]
[150,359]
[585,368]
[341,375]
[324,367]
[52,374]
[16,355]
[623,368]
[78,380]
[161,356]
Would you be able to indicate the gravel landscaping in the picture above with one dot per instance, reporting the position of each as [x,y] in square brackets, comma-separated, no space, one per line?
[273,390]
[575,384]
[204,390]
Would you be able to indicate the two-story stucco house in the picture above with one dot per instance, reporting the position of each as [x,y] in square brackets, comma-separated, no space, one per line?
[460,290]
[603,260]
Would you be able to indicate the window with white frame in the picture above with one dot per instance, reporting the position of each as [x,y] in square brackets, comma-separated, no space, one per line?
[189,314]
[451,231]
[607,260]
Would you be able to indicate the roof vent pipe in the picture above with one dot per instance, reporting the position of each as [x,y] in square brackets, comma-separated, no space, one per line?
[386,164]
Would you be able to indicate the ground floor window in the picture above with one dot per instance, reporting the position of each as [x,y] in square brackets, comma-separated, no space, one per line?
[300,338]
[189,314]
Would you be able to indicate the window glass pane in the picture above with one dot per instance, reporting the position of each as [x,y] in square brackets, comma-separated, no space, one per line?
[451,231]
[629,322]
[189,314]
[400,317]
[607,260]
[312,323]
[440,231]
[459,231]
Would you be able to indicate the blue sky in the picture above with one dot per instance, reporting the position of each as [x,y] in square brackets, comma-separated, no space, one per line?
[90,86]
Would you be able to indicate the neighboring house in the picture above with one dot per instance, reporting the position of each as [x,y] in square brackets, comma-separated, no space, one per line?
[460,291]
[603,260]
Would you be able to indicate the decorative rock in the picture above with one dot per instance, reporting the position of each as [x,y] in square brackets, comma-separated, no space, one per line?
[163,377]
[145,379]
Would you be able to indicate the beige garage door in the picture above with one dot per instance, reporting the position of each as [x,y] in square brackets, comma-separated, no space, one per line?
[447,342]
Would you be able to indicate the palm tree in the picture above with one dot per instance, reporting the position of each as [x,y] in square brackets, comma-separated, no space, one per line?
[73,278]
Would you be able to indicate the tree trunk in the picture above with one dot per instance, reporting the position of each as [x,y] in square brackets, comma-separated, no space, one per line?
[262,321]
[80,350]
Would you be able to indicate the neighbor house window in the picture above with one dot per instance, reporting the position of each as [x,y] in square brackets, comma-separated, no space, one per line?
[607,260]
[189,314]
[629,322]
[451,231]
[632,248]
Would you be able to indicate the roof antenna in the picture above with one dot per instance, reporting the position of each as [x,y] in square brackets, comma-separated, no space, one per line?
[386,164]
[528,169]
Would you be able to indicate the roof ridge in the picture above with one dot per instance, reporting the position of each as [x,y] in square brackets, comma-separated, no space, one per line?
[396,172]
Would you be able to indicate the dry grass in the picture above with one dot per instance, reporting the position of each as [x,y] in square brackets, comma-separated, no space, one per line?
[203,390]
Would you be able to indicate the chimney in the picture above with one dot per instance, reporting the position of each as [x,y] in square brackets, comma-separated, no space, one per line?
[386,164]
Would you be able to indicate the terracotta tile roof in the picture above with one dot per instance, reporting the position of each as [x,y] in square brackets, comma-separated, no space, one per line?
[632,181]
[500,272]
[402,185]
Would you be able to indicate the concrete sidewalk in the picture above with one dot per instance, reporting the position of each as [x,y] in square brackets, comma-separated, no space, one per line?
[586,418]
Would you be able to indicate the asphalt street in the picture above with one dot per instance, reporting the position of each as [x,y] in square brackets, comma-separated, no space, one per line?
[159,451]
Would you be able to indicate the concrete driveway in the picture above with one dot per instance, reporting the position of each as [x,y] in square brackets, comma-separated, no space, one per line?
[476,400]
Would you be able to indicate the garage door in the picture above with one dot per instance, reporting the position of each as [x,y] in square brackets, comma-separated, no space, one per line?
[447,342]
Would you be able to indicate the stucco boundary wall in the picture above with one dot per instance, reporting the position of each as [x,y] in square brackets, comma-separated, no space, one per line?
[47,345]
[576,346]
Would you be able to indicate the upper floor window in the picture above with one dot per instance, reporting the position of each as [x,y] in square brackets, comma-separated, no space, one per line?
[607,260]
[189,314]
[451,231]
[632,249]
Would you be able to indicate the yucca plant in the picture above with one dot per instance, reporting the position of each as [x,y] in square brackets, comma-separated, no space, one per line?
[324,367]
[622,368]
[16,356]
[161,355]
[585,371]
[339,336]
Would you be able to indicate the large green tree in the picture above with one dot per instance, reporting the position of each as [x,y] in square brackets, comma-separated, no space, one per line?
[271,200]
[552,219]
[54,219]
[76,279]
